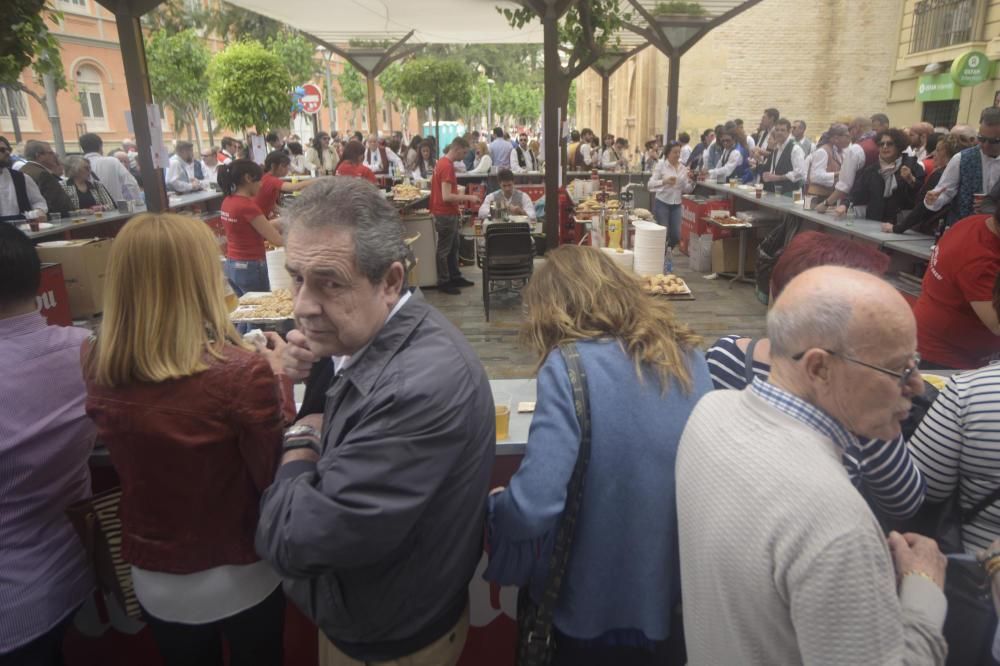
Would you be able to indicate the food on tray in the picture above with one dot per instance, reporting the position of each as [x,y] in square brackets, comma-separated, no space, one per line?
[405,192]
[664,284]
[642,214]
[731,221]
[276,305]
[592,205]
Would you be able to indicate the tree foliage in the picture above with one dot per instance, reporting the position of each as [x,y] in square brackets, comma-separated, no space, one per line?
[249,86]
[27,42]
[178,73]
[353,87]
[520,101]
[297,54]
[239,23]
[586,32]
[437,83]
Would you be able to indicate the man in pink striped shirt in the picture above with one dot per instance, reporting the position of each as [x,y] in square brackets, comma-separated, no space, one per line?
[45,441]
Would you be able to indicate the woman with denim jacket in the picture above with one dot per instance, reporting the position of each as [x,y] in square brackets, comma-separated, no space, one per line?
[193,419]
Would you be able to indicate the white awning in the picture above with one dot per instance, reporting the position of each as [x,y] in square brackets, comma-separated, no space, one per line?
[434,21]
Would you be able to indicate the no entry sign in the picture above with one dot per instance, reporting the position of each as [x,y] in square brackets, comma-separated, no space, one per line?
[312,101]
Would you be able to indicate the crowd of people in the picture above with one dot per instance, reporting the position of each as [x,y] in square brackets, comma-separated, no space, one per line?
[772,483]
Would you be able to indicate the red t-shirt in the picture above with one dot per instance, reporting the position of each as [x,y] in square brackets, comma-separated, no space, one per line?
[444,172]
[356,170]
[242,240]
[963,268]
[268,194]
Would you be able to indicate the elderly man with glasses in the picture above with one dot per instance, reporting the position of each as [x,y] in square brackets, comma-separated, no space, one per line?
[973,171]
[777,546]
[18,193]
[44,167]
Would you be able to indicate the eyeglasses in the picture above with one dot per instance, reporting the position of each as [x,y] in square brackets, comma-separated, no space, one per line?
[903,377]
[4,149]
[887,144]
[993,142]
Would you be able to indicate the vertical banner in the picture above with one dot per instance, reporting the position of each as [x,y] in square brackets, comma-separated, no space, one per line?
[161,158]
[258,148]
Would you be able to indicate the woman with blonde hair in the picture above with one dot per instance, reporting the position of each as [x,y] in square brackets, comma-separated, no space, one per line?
[193,420]
[644,375]
[484,163]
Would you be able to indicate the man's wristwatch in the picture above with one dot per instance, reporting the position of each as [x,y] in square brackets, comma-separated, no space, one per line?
[302,437]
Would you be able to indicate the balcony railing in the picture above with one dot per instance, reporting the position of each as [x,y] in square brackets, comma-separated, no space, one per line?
[941,23]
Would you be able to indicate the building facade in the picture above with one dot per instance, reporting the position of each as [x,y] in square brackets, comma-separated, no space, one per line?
[818,62]
[934,35]
[97,98]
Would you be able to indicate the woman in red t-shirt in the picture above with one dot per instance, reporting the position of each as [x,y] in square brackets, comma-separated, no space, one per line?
[350,162]
[276,166]
[957,325]
[246,226]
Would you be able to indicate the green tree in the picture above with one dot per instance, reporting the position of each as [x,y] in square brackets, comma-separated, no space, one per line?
[297,54]
[248,87]
[178,75]
[520,101]
[238,23]
[27,42]
[436,83]
[474,107]
[354,91]
[174,16]
[586,32]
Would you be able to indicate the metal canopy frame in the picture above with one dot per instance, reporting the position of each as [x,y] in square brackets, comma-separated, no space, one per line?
[371,61]
[674,35]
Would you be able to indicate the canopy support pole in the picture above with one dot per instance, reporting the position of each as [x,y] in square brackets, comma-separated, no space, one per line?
[139,95]
[673,93]
[553,79]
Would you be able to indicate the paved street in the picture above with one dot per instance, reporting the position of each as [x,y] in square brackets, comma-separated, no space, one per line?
[717,310]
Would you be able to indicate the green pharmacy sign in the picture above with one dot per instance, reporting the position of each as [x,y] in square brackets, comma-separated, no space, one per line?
[971,69]
[937,88]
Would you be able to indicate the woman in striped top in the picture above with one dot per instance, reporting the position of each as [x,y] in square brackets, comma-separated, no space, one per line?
[883,471]
[957,446]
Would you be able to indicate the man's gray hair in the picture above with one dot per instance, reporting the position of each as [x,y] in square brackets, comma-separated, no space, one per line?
[818,322]
[990,116]
[33,148]
[355,205]
[73,164]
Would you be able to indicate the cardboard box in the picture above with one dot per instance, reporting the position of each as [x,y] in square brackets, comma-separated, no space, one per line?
[84,263]
[53,302]
[726,255]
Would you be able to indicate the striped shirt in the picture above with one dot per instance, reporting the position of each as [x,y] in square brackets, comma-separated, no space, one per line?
[883,471]
[45,442]
[958,446]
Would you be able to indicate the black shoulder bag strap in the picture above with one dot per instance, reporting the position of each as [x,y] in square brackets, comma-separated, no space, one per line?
[970,514]
[539,640]
[748,367]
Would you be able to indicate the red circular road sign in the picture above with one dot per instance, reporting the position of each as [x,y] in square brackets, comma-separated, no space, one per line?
[312,101]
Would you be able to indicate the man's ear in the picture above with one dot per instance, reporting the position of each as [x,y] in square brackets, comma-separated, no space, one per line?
[817,366]
[394,278]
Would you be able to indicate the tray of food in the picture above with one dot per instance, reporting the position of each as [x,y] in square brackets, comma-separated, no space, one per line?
[728,222]
[405,193]
[591,206]
[665,285]
[264,306]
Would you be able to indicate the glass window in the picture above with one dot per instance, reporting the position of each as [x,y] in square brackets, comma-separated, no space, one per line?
[941,114]
[941,23]
[90,92]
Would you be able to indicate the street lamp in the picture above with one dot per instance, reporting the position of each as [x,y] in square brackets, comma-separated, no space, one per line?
[328,57]
[489,103]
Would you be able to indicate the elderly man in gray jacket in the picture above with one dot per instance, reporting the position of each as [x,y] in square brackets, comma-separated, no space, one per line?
[375,517]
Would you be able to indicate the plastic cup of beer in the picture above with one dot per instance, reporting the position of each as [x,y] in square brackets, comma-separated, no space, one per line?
[501,404]
[733,182]
[758,190]
[797,196]
[977,200]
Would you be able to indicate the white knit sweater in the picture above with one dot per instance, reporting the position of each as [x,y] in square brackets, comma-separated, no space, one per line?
[782,562]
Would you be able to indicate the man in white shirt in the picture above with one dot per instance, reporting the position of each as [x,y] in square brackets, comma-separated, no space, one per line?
[918,134]
[500,150]
[183,174]
[209,165]
[767,122]
[786,163]
[730,158]
[513,200]
[799,134]
[113,175]
[966,176]
[230,147]
[19,194]
[523,160]
[379,156]
[615,157]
